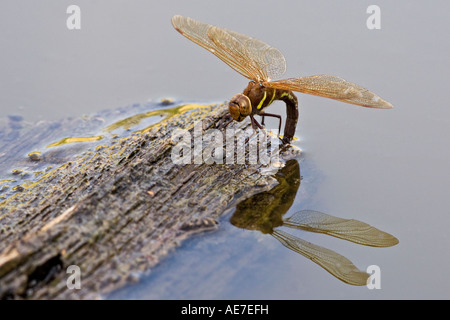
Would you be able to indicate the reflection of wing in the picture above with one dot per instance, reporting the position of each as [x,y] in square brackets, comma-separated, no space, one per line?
[334,88]
[334,263]
[347,229]
[250,57]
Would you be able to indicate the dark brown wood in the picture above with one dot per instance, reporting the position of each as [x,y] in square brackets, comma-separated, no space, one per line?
[114,209]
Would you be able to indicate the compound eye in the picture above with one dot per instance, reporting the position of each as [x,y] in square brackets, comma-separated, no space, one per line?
[240,107]
[245,105]
[234,111]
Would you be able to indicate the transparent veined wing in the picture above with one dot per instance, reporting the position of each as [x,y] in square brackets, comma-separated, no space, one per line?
[270,60]
[334,88]
[250,57]
[347,229]
[336,264]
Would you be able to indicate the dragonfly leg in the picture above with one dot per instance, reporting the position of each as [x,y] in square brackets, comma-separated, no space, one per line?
[256,125]
[221,124]
[275,116]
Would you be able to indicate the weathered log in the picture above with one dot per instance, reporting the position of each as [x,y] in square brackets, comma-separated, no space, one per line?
[114,209]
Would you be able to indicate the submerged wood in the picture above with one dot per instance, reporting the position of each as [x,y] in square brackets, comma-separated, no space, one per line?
[114,210]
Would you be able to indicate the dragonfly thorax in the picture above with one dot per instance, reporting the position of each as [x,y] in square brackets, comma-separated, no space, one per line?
[253,100]
[260,96]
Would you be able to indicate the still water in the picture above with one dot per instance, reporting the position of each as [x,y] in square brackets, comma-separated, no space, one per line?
[385,168]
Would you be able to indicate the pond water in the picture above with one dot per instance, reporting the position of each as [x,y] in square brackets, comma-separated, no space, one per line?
[386,168]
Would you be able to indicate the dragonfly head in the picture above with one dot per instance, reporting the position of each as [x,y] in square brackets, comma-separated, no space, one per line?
[240,107]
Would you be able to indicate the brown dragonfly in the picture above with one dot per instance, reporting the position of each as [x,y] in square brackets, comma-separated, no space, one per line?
[261,63]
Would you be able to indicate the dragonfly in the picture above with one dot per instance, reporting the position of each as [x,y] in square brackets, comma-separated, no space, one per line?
[266,212]
[260,63]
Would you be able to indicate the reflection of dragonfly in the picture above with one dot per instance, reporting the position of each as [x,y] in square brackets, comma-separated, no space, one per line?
[264,212]
[260,63]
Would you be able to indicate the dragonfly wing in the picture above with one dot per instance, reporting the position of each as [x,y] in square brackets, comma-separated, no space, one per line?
[347,229]
[269,59]
[334,88]
[238,56]
[252,58]
[197,32]
[336,264]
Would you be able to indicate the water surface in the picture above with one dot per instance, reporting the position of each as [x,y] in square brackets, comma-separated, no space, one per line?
[387,168]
